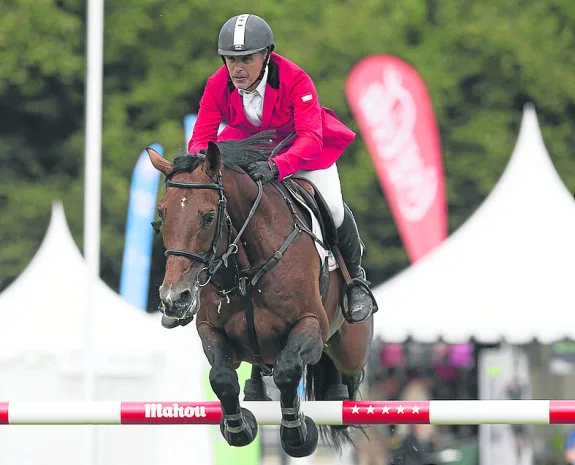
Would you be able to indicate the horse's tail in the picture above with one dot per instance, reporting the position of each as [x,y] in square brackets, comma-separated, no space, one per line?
[317,382]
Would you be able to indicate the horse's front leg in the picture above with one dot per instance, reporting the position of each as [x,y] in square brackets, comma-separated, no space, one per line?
[299,434]
[238,425]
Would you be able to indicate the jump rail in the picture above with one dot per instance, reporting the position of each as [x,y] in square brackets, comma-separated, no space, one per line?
[439,412]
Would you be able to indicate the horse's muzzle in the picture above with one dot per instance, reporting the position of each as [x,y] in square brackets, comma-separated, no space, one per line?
[179,305]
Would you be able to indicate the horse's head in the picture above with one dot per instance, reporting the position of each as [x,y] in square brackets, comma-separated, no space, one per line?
[192,212]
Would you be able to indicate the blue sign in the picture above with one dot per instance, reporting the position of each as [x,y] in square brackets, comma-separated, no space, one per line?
[189,122]
[136,262]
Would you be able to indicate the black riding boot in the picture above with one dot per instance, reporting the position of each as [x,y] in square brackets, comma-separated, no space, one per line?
[361,302]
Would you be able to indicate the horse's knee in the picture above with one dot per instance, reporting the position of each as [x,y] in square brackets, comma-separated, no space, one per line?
[224,382]
[288,371]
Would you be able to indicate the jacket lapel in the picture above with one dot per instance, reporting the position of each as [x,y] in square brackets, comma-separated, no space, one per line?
[236,103]
[270,100]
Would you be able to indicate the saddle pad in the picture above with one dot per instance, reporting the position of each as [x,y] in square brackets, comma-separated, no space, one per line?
[316,230]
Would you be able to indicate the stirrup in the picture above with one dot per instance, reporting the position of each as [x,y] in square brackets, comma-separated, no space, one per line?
[343,295]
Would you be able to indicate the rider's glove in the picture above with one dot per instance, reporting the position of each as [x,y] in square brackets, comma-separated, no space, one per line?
[264,171]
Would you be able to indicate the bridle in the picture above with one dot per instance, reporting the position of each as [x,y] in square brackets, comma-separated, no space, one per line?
[210,259]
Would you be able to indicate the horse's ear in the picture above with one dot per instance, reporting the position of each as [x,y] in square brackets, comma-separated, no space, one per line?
[159,162]
[214,157]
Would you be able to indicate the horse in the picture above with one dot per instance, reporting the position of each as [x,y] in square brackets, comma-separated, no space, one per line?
[242,259]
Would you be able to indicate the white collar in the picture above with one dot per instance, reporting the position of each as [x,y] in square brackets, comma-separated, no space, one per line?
[260,89]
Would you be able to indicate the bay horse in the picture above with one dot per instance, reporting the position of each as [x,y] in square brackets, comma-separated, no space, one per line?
[242,259]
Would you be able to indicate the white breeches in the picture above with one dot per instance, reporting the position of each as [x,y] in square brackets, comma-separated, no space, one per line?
[327,183]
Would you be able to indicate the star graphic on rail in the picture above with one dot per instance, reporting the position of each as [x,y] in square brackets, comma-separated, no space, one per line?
[385,409]
[355,409]
[415,409]
[400,409]
[370,409]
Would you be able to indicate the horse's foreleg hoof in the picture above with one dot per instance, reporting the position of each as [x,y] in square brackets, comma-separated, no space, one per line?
[307,439]
[239,430]
[255,389]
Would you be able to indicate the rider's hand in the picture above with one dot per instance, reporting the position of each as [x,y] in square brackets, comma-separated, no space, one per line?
[264,171]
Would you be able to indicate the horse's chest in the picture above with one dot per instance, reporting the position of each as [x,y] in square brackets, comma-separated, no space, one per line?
[270,330]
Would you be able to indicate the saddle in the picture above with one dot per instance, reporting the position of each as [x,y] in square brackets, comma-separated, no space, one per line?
[304,192]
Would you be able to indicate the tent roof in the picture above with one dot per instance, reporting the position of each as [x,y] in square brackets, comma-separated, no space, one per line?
[44,308]
[507,273]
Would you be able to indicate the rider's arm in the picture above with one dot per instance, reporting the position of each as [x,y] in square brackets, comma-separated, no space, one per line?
[208,121]
[307,114]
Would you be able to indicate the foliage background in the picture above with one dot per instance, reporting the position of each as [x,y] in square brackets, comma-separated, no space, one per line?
[481,61]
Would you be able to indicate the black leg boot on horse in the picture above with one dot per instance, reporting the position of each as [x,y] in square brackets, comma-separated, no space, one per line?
[360,299]
[238,425]
[299,434]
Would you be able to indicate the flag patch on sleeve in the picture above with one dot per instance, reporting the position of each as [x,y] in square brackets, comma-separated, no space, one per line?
[306,98]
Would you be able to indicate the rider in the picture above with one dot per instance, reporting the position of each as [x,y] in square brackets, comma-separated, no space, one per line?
[258,90]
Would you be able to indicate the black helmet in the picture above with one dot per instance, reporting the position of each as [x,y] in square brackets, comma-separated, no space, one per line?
[244,35]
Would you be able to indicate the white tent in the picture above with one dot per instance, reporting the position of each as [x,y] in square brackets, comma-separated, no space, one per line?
[41,359]
[47,301]
[507,273]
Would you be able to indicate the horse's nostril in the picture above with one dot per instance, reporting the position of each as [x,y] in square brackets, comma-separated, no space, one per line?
[176,304]
[184,300]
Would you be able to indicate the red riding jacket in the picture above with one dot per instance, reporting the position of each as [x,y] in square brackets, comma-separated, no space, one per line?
[290,103]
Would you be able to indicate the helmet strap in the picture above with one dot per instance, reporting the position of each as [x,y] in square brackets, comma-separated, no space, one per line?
[266,61]
[261,75]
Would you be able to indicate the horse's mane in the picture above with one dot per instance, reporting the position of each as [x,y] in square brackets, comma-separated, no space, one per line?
[235,153]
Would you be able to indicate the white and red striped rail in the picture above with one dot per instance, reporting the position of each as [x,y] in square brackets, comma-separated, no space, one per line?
[447,412]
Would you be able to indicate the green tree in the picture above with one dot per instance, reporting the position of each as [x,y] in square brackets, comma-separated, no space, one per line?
[481,62]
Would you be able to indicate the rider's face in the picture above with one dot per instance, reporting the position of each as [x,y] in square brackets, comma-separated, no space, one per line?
[244,70]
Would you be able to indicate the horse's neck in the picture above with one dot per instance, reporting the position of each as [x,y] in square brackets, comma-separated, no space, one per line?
[266,230]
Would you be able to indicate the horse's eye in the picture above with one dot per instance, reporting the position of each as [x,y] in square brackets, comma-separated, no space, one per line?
[208,219]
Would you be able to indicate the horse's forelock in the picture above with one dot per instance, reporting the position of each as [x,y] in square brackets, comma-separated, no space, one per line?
[187,163]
